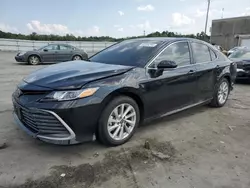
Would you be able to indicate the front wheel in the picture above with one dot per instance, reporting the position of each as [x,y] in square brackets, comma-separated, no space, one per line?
[34,60]
[221,93]
[77,57]
[118,121]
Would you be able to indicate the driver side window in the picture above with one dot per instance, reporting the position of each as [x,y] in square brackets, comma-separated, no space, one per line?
[51,47]
[177,52]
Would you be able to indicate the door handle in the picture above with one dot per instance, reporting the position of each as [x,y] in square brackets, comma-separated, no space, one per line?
[191,72]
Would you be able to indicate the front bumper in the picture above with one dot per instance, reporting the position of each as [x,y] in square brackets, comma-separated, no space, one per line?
[241,73]
[63,123]
[20,58]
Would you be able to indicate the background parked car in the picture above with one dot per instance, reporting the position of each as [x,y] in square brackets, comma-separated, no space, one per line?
[235,49]
[52,53]
[242,59]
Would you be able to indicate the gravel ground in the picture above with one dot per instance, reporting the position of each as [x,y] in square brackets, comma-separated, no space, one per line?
[201,147]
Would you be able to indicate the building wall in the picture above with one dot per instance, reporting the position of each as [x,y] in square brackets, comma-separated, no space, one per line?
[224,31]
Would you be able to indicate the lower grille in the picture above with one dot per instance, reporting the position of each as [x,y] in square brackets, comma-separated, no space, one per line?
[41,122]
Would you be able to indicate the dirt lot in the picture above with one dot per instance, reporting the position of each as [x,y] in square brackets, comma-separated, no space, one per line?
[199,148]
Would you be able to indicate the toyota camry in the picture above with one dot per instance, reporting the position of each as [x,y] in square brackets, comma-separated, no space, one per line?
[108,96]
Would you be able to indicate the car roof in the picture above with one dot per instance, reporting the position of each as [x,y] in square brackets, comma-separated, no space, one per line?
[60,44]
[165,39]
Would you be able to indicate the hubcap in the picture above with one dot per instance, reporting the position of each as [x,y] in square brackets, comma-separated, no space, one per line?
[34,60]
[121,121]
[77,58]
[223,92]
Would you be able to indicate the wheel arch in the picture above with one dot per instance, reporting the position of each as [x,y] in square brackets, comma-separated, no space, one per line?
[228,77]
[76,54]
[34,55]
[129,92]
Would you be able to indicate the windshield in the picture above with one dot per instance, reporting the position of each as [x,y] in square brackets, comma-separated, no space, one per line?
[130,53]
[240,54]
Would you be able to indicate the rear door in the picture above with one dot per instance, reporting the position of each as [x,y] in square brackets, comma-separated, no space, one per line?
[64,53]
[206,63]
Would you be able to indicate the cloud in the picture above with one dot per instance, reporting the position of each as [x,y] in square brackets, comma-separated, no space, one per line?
[200,13]
[246,13]
[59,29]
[37,26]
[180,19]
[146,8]
[94,31]
[121,13]
[146,25]
[120,29]
[7,28]
[117,25]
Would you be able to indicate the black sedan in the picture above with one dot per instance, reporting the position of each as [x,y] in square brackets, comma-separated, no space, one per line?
[52,53]
[108,96]
[242,59]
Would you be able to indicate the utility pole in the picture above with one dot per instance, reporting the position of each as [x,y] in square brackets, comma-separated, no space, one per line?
[222,13]
[144,33]
[208,7]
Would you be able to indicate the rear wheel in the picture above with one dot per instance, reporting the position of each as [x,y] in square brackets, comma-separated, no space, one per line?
[118,121]
[34,60]
[77,57]
[221,93]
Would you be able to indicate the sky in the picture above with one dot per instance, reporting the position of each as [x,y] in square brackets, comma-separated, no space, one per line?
[115,18]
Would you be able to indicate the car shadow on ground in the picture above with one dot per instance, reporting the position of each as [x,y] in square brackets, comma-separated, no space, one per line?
[26,64]
[243,81]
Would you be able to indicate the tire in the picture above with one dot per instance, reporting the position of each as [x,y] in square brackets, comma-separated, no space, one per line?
[126,129]
[216,102]
[34,60]
[76,57]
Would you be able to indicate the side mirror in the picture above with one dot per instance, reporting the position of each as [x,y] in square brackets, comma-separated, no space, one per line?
[45,50]
[166,64]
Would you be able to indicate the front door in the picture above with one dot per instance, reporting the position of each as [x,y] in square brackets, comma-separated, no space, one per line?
[48,53]
[172,89]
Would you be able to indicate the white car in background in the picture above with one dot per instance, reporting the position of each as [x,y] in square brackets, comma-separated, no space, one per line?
[235,49]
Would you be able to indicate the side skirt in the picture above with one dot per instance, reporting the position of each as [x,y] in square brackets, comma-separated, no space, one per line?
[178,110]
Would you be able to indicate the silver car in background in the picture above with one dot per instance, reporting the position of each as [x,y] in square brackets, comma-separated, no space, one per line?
[52,53]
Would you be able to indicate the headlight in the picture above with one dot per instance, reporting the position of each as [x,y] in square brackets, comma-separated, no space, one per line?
[70,95]
[21,53]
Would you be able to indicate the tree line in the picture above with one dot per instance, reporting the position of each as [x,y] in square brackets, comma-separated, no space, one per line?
[70,37]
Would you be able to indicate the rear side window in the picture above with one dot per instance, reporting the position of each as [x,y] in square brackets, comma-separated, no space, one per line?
[213,54]
[201,52]
[65,47]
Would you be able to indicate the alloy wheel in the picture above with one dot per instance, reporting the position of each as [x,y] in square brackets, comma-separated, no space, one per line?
[121,122]
[223,92]
[34,60]
[77,58]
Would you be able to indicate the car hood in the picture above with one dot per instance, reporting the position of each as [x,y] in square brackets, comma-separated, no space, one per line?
[73,74]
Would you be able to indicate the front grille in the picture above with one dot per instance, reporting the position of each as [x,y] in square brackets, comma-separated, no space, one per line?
[41,122]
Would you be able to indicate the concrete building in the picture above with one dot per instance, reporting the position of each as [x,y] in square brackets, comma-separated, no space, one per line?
[231,32]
